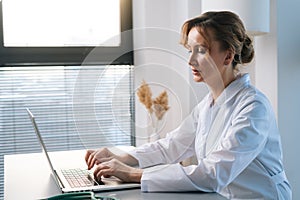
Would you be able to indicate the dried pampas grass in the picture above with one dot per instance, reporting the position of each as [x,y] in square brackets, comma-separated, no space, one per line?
[159,105]
[144,93]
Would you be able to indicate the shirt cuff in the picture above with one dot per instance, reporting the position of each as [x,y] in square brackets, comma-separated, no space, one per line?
[167,178]
[147,159]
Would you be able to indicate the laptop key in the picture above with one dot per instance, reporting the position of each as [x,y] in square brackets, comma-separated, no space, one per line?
[78,178]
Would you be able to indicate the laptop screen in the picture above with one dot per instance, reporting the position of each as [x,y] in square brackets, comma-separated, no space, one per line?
[31,116]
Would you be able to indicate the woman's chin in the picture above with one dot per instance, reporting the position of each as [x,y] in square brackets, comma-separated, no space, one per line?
[198,79]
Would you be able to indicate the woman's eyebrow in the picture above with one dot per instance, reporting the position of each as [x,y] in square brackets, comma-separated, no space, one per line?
[187,46]
[202,45]
[196,46]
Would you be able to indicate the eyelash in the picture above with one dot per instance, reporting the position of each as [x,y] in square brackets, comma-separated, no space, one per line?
[200,50]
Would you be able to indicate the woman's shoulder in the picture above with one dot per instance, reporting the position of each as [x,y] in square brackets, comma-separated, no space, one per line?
[251,93]
[250,96]
[246,91]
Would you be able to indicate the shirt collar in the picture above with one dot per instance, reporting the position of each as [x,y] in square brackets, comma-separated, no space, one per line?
[232,89]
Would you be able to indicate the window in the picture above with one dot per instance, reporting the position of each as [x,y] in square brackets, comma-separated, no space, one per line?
[78,100]
[62,32]
[46,24]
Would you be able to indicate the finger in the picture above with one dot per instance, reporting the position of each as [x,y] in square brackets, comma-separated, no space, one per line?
[106,176]
[91,160]
[87,155]
[101,161]
[105,172]
[98,169]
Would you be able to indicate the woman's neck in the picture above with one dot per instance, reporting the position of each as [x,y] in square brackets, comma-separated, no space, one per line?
[218,87]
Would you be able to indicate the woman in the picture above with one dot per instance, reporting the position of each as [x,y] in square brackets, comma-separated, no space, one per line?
[232,131]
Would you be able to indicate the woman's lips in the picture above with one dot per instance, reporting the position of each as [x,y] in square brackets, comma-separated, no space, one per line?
[195,71]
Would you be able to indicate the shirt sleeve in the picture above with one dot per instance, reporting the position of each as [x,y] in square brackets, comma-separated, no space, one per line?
[241,144]
[176,146]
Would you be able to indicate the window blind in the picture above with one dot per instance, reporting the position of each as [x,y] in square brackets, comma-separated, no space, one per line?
[67,118]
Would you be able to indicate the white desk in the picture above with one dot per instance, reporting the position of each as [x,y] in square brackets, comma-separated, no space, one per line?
[27,176]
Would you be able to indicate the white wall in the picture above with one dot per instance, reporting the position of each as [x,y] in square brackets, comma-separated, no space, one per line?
[161,61]
[288,87]
[277,74]
[265,68]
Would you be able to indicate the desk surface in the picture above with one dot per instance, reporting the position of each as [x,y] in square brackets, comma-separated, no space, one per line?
[27,176]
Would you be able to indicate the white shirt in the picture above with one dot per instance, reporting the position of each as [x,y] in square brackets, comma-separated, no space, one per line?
[237,145]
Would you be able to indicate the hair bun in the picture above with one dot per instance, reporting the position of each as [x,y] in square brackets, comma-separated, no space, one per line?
[247,52]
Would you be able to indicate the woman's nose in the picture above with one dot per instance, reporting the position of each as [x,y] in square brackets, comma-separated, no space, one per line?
[192,61]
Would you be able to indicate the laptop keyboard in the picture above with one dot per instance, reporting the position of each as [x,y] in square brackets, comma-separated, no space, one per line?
[78,177]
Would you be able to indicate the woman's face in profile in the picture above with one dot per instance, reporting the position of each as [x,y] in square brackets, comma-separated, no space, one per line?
[206,61]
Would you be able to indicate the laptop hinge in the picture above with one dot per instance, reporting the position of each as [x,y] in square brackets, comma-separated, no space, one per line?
[58,180]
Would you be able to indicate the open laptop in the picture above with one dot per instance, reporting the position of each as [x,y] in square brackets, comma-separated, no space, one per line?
[75,180]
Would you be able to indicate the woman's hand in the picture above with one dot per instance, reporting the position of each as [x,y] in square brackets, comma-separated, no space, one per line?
[118,169]
[95,157]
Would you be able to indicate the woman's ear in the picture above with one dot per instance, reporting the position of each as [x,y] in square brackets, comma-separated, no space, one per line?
[229,57]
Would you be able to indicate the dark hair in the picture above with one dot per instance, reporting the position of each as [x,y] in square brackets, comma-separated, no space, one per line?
[226,28]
